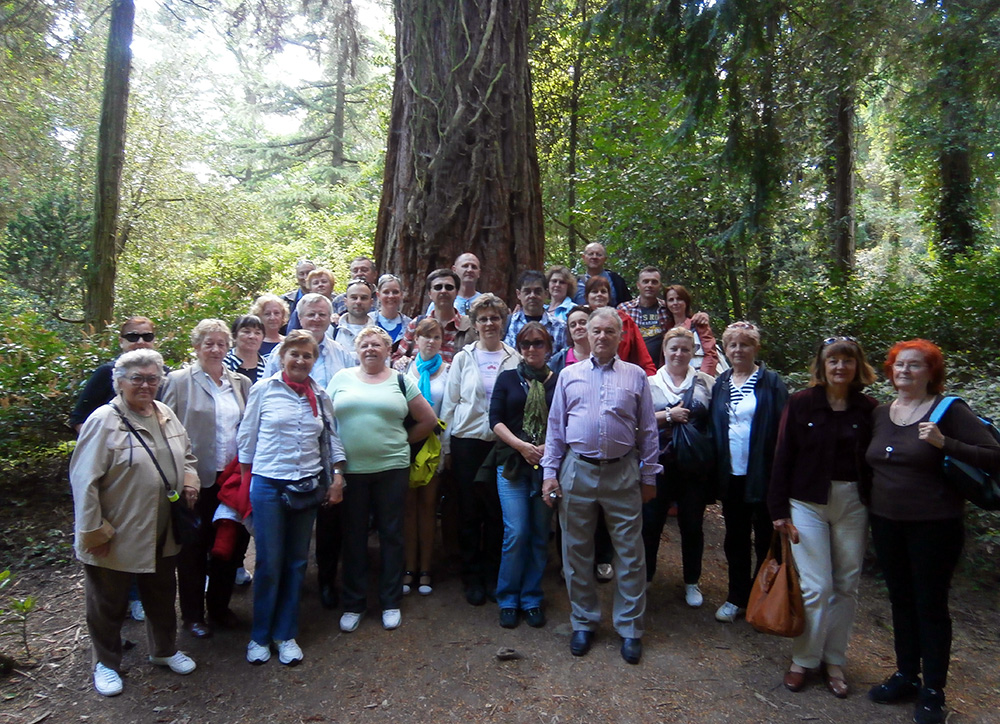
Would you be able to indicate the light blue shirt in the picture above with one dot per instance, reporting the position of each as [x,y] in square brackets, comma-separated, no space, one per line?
[332,359]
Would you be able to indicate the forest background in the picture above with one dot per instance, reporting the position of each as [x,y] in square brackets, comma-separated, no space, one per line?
[821,168]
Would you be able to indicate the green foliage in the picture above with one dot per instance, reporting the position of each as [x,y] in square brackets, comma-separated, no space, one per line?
[40,373]
[14,613]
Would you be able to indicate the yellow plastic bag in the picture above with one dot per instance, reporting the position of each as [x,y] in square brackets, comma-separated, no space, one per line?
[425,463]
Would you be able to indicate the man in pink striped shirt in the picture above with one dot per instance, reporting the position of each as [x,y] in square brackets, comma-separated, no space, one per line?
[601,454]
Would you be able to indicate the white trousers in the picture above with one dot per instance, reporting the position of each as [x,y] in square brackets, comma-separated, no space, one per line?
[829,554]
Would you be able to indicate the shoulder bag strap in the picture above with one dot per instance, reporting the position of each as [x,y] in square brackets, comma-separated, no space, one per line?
[941,408]
[171,493]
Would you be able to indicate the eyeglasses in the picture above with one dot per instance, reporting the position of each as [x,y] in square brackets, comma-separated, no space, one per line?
[833,340]
[388,278]
[136,336]
[363,282]
[532,344]
[139,380]
[443,287]
[743,325]
[489,320]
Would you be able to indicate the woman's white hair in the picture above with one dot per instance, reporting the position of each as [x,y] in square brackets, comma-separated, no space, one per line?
[131,360]
[372,331]
[210,326]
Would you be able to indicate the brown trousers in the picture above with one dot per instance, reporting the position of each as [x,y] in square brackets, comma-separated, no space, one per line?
[107,605]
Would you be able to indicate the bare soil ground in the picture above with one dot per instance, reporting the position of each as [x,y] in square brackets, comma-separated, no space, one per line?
[441,664]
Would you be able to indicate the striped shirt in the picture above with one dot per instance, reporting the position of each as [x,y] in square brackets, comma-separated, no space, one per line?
[605,412]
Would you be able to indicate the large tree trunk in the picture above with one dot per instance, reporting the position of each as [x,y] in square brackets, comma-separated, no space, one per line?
[99,302]
[461,172]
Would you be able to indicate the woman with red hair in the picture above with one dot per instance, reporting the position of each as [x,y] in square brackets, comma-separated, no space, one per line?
[916,519]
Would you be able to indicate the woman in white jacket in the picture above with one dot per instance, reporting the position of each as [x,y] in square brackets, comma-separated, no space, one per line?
[469,441]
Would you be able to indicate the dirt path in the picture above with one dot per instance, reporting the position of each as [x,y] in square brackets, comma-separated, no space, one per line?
[441,665]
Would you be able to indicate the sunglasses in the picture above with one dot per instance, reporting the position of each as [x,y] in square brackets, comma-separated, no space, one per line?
[136,336]
[532,344]
[443,287]
[833,340]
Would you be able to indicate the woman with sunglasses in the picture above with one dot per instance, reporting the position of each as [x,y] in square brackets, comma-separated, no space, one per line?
[816,498]
[744,413]
[519,411]
[917,519]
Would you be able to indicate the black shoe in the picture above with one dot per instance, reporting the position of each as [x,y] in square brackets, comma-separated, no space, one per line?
[328,596]
[898,687]
[631,650]
[534,617]
[580,643]
[475,594]
[198,629]
[930,708]
[509,617]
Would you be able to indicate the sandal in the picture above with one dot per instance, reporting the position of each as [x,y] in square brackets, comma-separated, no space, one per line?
[408,577]
[425,588]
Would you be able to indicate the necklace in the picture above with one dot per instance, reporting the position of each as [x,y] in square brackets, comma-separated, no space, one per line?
[897,409]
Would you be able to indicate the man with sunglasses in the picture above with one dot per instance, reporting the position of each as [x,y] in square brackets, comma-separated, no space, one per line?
[468,269]
[442,287]
[135,333]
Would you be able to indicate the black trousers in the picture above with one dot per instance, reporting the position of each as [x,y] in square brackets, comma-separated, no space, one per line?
[329,537]
[748,529]
[670,488]
[918,559]
[193,564]
[383,494]
[480,532]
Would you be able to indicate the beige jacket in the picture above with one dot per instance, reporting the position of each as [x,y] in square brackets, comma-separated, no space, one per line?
[187,393]
[116,488]
[465,409]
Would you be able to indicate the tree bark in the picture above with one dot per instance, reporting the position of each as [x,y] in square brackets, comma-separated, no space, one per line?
[843,226]
[461,171]
[99,300]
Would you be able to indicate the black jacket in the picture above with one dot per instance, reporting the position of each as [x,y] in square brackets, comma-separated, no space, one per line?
[771,396]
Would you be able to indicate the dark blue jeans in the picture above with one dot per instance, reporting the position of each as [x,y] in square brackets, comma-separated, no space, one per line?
[918,559]
[282,539]
[526,521]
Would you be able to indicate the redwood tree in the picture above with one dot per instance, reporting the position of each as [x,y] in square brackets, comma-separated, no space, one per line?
[461,172]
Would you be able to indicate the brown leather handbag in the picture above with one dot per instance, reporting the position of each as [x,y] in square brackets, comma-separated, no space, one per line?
[776,600]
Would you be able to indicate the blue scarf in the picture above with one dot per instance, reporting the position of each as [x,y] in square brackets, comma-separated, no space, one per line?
[426,369]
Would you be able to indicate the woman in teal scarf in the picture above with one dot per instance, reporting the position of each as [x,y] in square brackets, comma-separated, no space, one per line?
[519,410]
[420,516]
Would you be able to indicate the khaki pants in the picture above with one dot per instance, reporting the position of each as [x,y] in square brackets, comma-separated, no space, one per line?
[107,605]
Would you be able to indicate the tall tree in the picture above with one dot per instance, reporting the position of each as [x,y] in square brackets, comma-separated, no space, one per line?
[461,171]
[100,298]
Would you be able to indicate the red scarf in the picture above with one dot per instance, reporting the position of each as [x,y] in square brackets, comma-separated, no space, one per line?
[302,388]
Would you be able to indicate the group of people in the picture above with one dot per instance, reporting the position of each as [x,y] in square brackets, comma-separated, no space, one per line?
[603,410]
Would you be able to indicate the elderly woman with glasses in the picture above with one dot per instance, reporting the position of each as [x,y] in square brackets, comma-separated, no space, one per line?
[816,498]
[388,316]
[133,457]
[469,441]
[746,406]
[209,400]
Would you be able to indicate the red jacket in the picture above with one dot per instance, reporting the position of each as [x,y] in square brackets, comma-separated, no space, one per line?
[632,348]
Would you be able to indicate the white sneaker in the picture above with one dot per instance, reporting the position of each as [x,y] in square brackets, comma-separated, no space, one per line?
[179,663]
[605,572]
[243,578]
[692,595]
[289,652]
[257,654]
[391,618]
[349,621]
[107,682]
[729,612]
[136,611]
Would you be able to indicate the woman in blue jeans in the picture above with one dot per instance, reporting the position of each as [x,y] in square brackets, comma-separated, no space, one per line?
[280,442]
[519,410]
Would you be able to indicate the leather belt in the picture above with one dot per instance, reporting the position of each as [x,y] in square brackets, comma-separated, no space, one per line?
[599,461]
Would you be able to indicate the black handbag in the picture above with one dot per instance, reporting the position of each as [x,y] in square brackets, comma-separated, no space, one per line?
[693,450]
[185,522]
[975,485]
[309,493]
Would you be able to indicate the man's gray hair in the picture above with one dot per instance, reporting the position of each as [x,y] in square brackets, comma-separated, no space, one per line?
[131,360]
[608,313]
[311,299]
